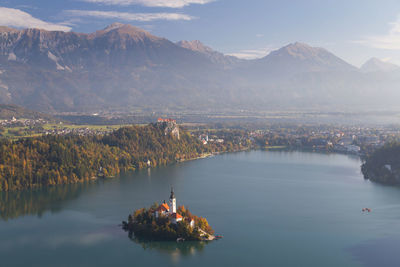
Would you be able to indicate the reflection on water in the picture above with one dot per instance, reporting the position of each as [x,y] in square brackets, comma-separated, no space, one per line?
[37,202]
[175,250]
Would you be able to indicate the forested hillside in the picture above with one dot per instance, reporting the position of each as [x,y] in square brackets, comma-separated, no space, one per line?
[52,160]
[383,165]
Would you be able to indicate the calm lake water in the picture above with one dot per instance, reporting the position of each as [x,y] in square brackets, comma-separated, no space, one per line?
[273,209]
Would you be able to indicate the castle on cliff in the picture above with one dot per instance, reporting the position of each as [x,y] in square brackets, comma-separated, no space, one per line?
[170,126]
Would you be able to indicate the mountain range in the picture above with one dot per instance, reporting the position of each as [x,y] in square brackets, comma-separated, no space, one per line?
[123,67]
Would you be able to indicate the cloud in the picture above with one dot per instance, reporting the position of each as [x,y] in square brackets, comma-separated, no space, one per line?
[389,41]
[386,59]
[20,19]
[252,53]
[151,3]
[127,16]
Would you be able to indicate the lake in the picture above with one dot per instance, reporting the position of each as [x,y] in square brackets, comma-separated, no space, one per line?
[273,208]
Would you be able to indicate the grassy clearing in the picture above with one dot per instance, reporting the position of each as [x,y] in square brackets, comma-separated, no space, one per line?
[74,126]
[24,132]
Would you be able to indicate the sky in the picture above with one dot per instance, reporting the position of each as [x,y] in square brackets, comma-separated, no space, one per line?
[354,30]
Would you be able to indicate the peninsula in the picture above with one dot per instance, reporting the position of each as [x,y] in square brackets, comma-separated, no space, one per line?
[57,159]
[166,222]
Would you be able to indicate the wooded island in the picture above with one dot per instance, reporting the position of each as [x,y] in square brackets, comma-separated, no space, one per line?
[163,222]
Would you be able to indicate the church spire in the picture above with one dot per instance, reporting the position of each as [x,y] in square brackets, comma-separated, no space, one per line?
[172,201]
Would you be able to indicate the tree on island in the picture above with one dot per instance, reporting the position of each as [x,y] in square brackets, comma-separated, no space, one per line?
[144,224]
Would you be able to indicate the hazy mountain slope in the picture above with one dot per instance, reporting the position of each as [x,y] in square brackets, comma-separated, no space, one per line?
[297,58]
[7,112]
[299,76]
[214,56]
[377,65]
[124,67]
[120,65]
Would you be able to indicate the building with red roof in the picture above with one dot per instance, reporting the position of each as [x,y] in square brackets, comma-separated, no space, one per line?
[163,209]
[170,210]
[176,217]
[166,120]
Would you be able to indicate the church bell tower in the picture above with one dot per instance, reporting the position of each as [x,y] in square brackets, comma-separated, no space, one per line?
[172,202]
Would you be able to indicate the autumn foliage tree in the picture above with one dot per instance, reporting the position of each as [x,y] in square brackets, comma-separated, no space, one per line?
[53,160]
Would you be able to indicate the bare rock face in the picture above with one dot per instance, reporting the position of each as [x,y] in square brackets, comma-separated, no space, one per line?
[216,57]
[121,65]
[170,127]
[175,132]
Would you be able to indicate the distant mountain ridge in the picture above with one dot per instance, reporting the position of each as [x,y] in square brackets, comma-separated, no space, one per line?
[124,67]
[214,56]
[376,65]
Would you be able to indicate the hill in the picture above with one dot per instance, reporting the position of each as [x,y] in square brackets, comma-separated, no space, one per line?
[54,160]
[7,112]
[383,165]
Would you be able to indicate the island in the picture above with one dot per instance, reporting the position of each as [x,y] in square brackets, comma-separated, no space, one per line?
[166,222]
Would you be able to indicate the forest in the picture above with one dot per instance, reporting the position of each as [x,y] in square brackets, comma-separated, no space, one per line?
[383,165]
[53,159]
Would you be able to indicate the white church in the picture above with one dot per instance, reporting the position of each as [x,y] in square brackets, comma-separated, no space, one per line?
[170,210]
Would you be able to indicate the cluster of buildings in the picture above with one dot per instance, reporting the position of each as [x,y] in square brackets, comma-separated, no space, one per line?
[170,211]
[84,131]
[340,139]
[344,139]
[22,122]
[168,120]
[205,140]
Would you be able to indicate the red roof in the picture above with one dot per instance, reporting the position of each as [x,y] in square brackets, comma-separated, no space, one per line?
[165,120]
[163,207]
[176,216]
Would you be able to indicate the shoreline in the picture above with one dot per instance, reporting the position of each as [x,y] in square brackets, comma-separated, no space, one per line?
[203,156]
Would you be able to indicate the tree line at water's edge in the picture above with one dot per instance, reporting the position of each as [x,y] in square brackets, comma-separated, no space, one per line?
[53,160]
[383,165]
